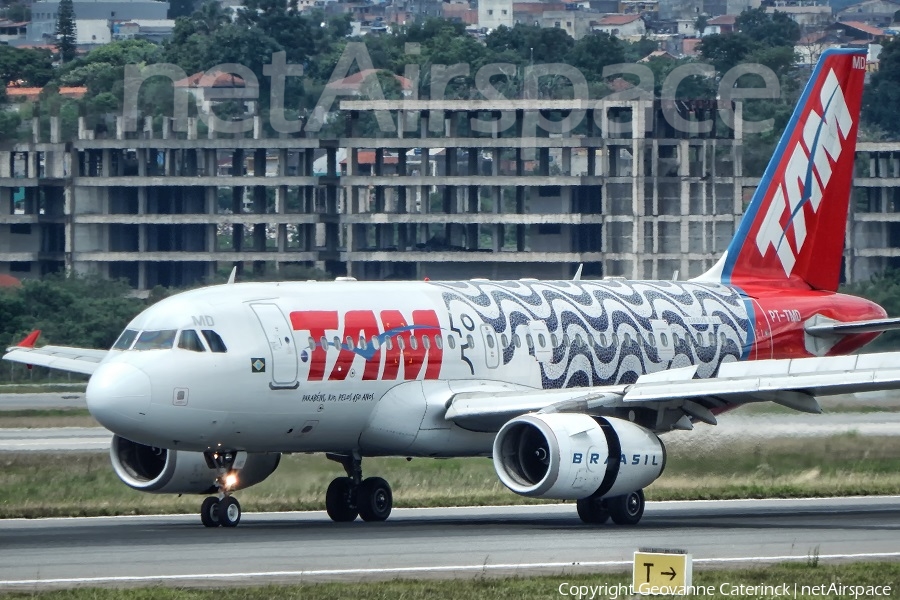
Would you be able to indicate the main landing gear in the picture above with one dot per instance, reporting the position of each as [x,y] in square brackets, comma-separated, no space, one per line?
[352,496]
[624,510]
[223,509]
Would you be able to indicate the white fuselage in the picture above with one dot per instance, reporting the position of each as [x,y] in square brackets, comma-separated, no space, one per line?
[335,367]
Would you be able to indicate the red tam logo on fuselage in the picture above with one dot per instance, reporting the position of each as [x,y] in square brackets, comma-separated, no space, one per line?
[387,339]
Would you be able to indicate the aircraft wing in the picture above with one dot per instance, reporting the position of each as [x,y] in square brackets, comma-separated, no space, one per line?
[76,360]
[793,383]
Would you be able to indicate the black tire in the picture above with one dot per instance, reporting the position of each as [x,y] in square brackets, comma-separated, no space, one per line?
[627,509]
[592,511]
[374,499]
[340,500]
[209,512]
[229,512]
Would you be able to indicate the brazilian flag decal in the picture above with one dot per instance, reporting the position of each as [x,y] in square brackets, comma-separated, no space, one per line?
[258,365]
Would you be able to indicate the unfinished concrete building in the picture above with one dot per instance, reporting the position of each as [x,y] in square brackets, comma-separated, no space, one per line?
[459,189]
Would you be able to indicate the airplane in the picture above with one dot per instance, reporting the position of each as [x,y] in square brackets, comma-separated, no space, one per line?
[568,385]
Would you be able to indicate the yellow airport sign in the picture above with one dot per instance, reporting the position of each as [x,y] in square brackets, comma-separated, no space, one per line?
[661,571]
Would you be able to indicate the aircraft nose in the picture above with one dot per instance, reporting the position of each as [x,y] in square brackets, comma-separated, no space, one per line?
[118,396]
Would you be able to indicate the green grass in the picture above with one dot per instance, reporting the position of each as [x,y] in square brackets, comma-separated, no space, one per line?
[521,588]
[72,484]
[43,388]
[47,417]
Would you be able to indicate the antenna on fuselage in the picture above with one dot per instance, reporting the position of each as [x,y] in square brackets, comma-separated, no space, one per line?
[232,276]
[578,273]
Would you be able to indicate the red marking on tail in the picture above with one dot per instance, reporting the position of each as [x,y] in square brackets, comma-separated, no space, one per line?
[793,231]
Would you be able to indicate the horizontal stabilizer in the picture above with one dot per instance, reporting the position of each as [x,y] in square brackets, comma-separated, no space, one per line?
[832,328]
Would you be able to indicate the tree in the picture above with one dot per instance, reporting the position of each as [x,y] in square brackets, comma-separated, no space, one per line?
[775,29]
[65,31]
[180,8]
[30,67]
[700,24]
[595,51]
[210,16]
[882,96]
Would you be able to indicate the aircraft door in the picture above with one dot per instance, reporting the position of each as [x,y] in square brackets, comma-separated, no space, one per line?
[281,345]
[665,345]
[543,344]
[491,347]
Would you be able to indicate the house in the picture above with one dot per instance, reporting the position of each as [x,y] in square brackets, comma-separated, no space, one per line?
[622,26]
[17,94]
[200,86]
[44,14]
[857,31]
[873,12]
[494,13]
[576,23]
[11,32]
[460,12]
[720,24]
[804,13]
[658,55]
[355,84]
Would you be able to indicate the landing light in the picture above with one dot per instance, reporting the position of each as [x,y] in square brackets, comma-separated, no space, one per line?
[231,480]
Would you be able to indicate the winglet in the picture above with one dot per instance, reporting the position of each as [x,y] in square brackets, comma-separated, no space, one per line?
[233,275]
[30,340]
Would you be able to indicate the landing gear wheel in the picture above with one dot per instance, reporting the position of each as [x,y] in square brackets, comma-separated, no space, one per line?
[374,499]
[229,511]
[340,500]
[627,509]
[209,512]
[592,511]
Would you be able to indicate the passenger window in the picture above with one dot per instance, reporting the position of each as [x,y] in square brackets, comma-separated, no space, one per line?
[375,344]
[542,341]
[615,339]
[490,342]
[675,339]
[578,341]
[470,341]
[189,340]
[451,342]
[567,341]
[663,339]
[504,341]
[626,339]
[529,340]
[723,338]
[712,339]
[413,343]
[214,341]
[652,339]
[401,343]
[312,343]
[125,340]
[324,342]
[603,340]
[517,342]
[336,342]
[554,340]
[362,342]
[438,342]
[389,344]
[426,343]
[350,344]
[156,340]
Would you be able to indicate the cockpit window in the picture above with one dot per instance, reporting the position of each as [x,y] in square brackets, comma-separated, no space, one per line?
[156,340]
[189,340]
[125,340]
[215,342]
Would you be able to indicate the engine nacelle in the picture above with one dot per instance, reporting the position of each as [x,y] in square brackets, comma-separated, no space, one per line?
[570,456]
[160,471]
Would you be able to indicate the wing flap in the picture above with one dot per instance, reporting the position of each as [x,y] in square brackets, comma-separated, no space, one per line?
[76,360]
[833,328]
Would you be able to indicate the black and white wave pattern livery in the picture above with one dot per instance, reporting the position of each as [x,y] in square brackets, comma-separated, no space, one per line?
[625,311]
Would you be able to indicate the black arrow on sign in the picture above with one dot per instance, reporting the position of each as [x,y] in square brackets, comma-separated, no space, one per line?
[670,573]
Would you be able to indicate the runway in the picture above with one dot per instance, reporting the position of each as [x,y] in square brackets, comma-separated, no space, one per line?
[441,542]
[44,400]
[730,428]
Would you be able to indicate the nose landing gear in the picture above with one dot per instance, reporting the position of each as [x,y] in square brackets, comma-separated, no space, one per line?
[352,496]
[223,509]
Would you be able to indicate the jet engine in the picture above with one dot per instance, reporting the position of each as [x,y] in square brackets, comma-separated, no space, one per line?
[161,471]
[570,456]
